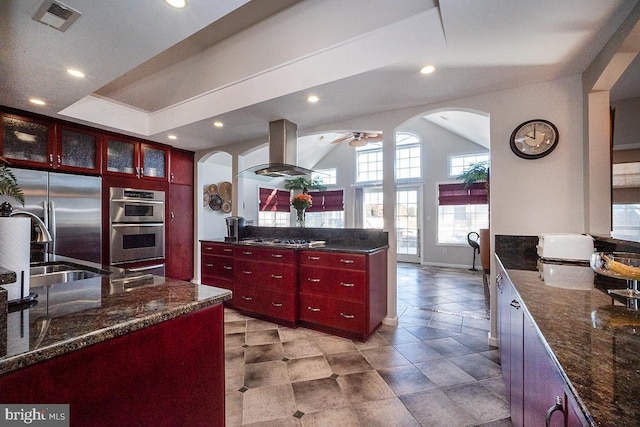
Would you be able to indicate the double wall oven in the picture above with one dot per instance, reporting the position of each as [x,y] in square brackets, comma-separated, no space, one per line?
[137,225]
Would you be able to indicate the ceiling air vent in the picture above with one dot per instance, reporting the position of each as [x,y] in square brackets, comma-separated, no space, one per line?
[56,15]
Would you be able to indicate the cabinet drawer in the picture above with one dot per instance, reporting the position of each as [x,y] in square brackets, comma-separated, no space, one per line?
[220,249]
[281,305]
[217,266]
[333,260]
[334,313]
[281,277]
[336,283]
[265,254]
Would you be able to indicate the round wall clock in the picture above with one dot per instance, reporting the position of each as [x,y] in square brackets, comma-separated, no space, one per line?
[534,139]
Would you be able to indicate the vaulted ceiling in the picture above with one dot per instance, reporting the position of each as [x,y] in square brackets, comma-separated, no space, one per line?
[152,70]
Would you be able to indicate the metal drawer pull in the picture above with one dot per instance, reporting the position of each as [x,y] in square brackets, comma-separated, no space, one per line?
[347,316]
[247,253]
[554,408]
[227,249]
[247,271]
[313,309]
[346,261]
[227,267]
[208,248]
[347,285]
[276,304]
[313,258]
[247,298]
[313,280]
[515,304]
[208,265]
[276,255]
[276,276]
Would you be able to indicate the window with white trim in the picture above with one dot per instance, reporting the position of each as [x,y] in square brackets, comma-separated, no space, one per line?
[369,163]
[328,176]
[459,164]
[408,156]
[461,211]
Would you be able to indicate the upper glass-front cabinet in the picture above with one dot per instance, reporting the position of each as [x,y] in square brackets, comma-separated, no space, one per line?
[39,143]
[137,159]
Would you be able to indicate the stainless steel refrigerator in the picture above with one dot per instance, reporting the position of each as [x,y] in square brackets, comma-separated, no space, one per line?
[70,206]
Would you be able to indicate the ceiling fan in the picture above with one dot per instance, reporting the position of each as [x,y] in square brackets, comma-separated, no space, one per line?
[359,139]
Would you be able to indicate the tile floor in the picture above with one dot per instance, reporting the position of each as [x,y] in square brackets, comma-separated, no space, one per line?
[434,369]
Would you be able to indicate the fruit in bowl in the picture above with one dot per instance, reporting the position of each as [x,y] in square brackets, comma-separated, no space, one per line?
[619,265]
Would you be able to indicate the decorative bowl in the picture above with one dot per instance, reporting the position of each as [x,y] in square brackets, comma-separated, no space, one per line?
[619,265]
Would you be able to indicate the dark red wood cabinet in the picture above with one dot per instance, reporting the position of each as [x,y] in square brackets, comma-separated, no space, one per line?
[343,292]
[179,240]
[533,381]
[265,281]
[134,159]
[181,167]
[168,374]
[216,267]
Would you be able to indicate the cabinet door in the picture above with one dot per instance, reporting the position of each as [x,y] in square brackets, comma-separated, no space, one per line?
[217,267]
[153,161]
[337,283]
[181,167]
[78,150]
[180,240]
[516,359]
[27,141]
[503,287]
[277,276]
[122,156]
[344,315]
[543,384]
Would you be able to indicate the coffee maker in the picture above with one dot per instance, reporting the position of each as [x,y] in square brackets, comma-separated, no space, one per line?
[234,225]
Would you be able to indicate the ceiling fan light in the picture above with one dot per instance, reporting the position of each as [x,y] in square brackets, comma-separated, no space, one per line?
[358,142]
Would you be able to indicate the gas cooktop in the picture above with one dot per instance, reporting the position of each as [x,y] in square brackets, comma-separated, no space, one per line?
[282,242]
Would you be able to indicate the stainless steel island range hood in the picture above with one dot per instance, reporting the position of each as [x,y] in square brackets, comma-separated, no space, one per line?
[283,152]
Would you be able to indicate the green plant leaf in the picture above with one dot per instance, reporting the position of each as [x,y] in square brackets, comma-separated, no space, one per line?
[9,183]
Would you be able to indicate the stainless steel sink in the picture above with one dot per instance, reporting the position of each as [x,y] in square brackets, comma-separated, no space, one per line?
[61,277]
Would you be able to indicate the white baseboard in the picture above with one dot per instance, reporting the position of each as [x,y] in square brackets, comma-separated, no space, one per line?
[390,321]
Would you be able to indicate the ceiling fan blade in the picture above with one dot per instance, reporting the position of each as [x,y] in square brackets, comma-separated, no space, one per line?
[358,142]
[376,138]
[344,138]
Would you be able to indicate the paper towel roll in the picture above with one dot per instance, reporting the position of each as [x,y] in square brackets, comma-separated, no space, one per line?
[15,252]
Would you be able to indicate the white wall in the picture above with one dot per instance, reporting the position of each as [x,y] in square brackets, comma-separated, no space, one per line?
[627,124]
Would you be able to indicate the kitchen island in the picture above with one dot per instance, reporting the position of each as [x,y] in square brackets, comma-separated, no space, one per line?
[119,350]
[588,337]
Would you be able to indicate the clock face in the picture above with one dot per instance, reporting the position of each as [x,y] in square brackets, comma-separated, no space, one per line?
[534,139]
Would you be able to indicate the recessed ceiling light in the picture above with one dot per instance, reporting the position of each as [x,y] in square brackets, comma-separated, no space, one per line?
[218,124]
[75,73]
[178,4]
[171,136]
[37,101]
[427,69]
[313,98]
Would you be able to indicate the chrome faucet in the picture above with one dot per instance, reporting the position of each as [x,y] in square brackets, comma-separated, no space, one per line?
[43,235]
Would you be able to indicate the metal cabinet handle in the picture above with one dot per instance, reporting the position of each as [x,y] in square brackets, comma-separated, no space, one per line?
[227,267]
[313,258]
[347,285]
[515,304]
[227,250]
[276,276]
[556,407]
[499,281]
[173,177]
[346,261]
[208,265]
[276,304]
[247,253]
[347,316]
[173,216]
[276,255]
[247,271]
[313,280]
[208,248]
[313,309]
[59,160]
[247,298]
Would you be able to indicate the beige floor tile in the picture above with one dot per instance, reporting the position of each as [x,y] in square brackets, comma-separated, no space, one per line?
[433,408]
[233,408]
[348,362]
[383,413]
[329,344]
[375,340]
[279,422]
[406,379]
[234,339]
[235,327]
[308,368]
[268,403]
[304,347]
[444,373]
[317,395]
[268,336]
[291,334]
[233,357]
[259,325]
[343,417]
[265,374]
[234,378]
[263,353]
[384,357]
[364,387]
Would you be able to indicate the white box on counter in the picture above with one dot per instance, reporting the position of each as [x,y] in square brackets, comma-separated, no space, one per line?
[565,247]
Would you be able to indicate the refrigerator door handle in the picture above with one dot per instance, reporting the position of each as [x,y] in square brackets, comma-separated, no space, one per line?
[51,223]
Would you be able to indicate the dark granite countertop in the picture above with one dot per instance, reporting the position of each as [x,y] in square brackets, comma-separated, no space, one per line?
[74,315]
[594,338]
[326,248]
[7,276]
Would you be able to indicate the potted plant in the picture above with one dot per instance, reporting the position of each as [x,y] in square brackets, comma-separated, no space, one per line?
[9,183]
[479,172]
[302,183]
